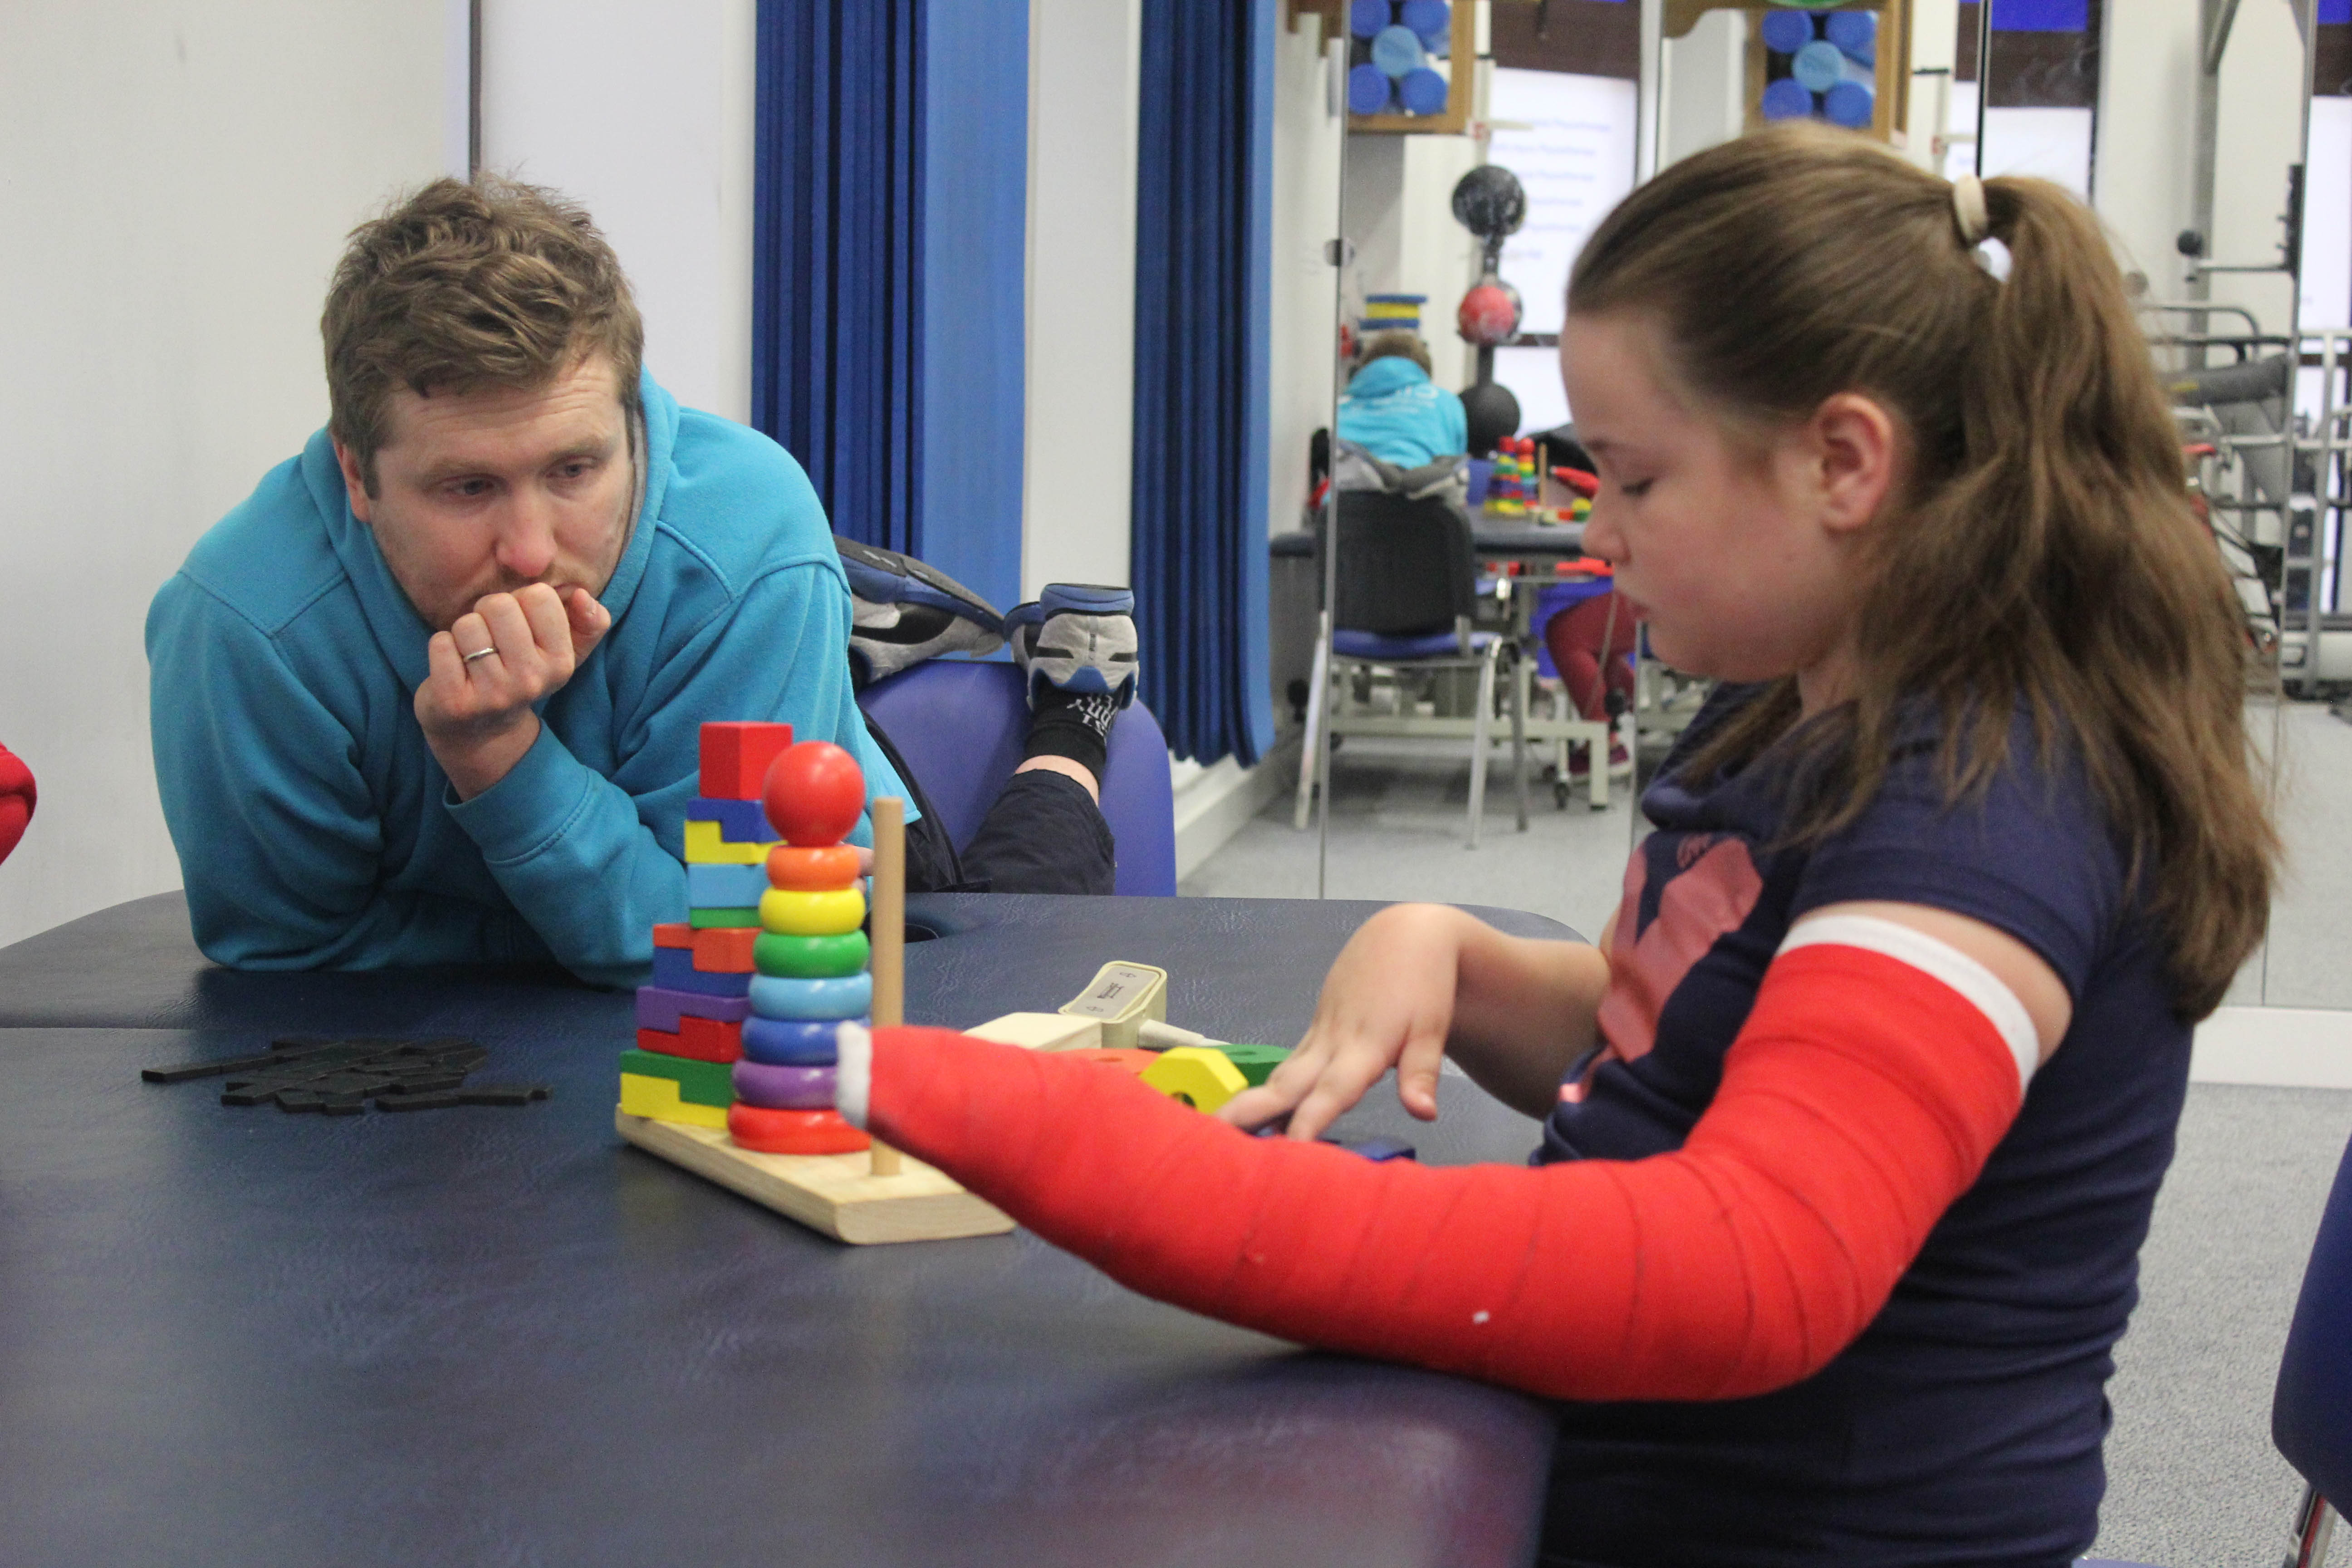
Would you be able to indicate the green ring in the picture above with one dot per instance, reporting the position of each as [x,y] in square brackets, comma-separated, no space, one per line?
[811,957]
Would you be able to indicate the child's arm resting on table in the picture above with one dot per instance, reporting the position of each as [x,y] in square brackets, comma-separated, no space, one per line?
[1875,1075]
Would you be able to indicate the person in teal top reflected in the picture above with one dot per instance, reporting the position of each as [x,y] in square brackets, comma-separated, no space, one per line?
[1392,410]
[432,694]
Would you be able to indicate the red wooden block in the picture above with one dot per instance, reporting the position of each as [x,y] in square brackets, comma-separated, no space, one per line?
[673,933]
[735,758]
[725,950]
[767,1131]
[697,1039]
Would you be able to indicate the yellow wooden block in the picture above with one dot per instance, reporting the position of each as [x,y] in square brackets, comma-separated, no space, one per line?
[656,1098]
[811,914]
[1201,1075]
[704,847]
[835,1193]
[1042,1032]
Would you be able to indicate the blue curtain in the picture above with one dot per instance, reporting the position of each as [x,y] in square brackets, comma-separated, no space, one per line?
[1203,221]
[837,256]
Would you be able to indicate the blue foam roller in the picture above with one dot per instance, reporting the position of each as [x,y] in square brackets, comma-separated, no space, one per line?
[1423,92]
[1396,50]
[1819,66]
[778,1043]
[1849,105]
[1787,100]
[1368,89]
[843,996]
[1432,22]
[1366,17]
[739,821]
[1786,31]
[674,971]
[725,887]
[1857,34]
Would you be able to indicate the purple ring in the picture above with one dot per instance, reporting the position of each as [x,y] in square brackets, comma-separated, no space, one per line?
[783,1088]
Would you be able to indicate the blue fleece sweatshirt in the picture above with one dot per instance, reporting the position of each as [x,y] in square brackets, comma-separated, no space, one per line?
[1391,410]
[315,828]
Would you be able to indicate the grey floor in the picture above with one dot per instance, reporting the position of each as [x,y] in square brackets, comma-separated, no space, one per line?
[2193,1480]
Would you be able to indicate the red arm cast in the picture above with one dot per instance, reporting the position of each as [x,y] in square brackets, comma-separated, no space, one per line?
[1860,1100]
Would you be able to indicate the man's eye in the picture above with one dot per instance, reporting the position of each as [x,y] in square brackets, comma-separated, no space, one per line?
[574,471]
[468,489]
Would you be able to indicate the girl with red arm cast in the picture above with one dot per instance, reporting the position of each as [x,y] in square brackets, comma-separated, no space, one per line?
[1853,1119]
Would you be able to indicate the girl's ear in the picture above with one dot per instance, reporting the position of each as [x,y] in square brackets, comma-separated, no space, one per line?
[1855,449]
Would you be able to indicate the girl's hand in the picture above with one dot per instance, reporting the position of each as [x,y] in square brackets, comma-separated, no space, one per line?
[1388,1002]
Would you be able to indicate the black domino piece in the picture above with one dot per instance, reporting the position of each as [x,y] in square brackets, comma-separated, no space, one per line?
[422,1084]
[342,1104]
[296,1099]
[186,1071]
[261,1091]
[440,1101]
[503,1094]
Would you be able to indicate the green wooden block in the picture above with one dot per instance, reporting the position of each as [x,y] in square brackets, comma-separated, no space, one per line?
[811,957]
[1256,1062]
[698,1083]
[706,919]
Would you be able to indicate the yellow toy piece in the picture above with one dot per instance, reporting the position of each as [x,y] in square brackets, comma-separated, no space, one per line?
[811,914]
[1201,1075]
[704,847]
[657,1099]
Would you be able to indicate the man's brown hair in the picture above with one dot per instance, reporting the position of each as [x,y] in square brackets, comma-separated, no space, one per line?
[465,286]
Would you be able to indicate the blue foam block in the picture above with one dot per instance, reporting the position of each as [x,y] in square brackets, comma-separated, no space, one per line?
[725,887]
[674,971]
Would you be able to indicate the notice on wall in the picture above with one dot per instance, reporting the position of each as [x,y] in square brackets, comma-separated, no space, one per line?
[1575,159]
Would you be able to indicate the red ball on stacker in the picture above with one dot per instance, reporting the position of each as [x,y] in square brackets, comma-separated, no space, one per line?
[814,794]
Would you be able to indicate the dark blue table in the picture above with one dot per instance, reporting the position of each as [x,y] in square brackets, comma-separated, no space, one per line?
[238,1336]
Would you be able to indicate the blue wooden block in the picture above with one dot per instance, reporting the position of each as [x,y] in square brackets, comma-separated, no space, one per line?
[843,996]
[777,1042]
[739,821]
[674,971]
[725,887]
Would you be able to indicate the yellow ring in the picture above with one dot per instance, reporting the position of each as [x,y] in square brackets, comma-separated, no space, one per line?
[788,913]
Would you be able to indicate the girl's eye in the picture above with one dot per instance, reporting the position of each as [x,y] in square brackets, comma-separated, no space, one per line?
[1637,490]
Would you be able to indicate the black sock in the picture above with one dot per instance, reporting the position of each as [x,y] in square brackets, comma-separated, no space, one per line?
[1074,725]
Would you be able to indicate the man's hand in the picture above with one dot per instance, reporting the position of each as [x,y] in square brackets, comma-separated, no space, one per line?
[476,713]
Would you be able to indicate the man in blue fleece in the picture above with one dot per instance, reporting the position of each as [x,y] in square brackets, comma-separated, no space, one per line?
[432,693]
[1393,411]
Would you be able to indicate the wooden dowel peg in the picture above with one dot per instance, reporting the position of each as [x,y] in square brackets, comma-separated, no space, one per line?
[890,941]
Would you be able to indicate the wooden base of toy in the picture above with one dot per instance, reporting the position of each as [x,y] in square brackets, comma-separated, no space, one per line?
[834,1194]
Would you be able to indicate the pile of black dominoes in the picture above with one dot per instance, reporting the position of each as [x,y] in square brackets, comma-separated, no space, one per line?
[339,1076]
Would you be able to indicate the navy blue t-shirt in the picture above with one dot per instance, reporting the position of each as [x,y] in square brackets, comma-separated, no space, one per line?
[1964,1426]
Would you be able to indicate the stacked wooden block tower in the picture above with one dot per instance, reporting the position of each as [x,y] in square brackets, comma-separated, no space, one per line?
[736,1029]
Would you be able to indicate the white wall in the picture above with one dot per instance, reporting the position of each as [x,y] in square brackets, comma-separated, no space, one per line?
[1077,506]
[1302,354]
[179,179]
[642,109]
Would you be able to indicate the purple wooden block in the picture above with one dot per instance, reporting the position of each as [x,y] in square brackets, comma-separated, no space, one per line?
[659,1009]
[783,1088]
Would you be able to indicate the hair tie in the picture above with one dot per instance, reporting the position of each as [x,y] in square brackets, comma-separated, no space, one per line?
[1969,210]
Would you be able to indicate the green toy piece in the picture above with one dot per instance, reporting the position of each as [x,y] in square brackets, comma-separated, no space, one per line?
[698,1083]
[706,920]
[1256,1062]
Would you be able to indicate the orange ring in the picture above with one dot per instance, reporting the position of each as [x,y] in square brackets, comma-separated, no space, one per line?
[820,869]
[767,1131]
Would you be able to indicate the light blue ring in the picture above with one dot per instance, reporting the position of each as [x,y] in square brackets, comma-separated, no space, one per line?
[843,996]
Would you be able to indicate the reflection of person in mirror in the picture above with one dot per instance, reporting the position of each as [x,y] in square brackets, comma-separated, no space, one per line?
[1394,411]
[1855,1118]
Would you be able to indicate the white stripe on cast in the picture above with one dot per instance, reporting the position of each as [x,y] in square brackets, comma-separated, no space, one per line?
[1938,960]
[852,1072]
